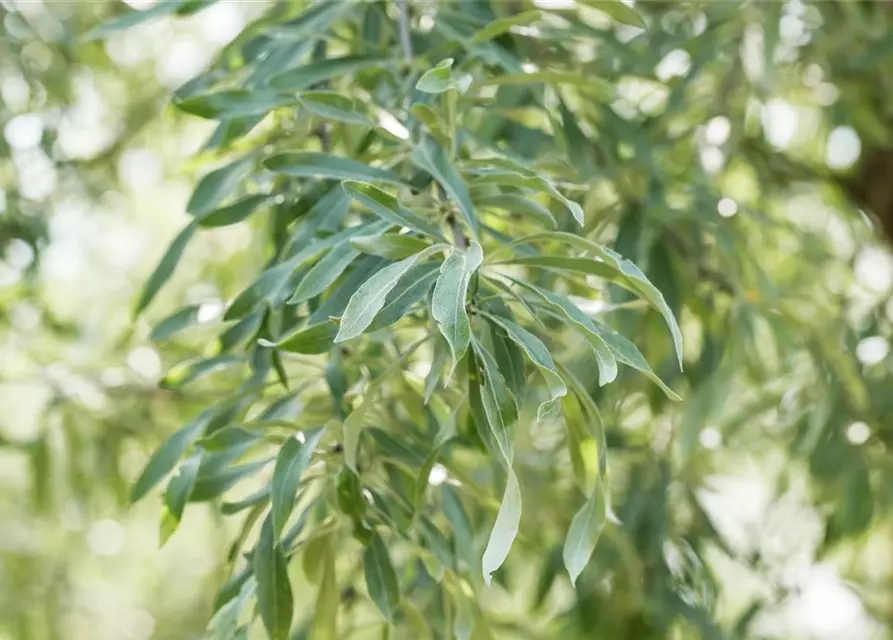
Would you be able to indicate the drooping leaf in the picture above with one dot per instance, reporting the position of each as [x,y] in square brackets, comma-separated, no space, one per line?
[166,456]
[539,354]
[325,617]
[449,299]
[369,299]
[133,18]
[217,185]
[517,204]
[291,462]
[312,164]
[177,495]
[166,266]
[431,157]
[499,404]
[333,106]
[234,103]
[412,288]
[392,246]
[274,595]
[389,209]
[508,519]
[532,181]
[188,371]
[381,579]
[320,70]
[583,534]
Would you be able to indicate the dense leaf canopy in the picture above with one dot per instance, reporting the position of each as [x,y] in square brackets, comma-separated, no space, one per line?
[549,318]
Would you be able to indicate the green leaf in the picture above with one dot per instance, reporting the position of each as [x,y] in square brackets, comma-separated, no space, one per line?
[430,157]
[583,534]
[411,289]
[324,272]
[537,352]
[392,246]
[217,185]
[599,88]
[435,373]
[190,370]
[430,119]
[389,209]
[333,106]
[532,181]
[448,301]
[497,27]
[166,266]
[381,579]
[440,79]
[311,164]
[610,265]
[319,71]
[175,323]
[460,524]
[499,404]
[225,623]
[317,338]
[607,363]
[619,11]
[132,18]
[166,456]
[177,495]
[335,303]
[369,299]
[274,596]
[505,528]
[216,482]
[234,103]
[228,438]
[291,462]
[231,214]
[312,23]
[518,204]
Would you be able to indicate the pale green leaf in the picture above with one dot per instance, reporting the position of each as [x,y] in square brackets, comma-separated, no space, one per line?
[317,338]
[497,27]
[389,209]
[231,214]
[216,185]
[177,495]
[324,272]
[381,579]
[505,528]
[599,88]
[583,534]
[618,10]
[325,616]
[332,106]
[274,595]
[392,246]
[312,164]
[532,181]
[291,462]
[449,299]
[175,323]
[318,71]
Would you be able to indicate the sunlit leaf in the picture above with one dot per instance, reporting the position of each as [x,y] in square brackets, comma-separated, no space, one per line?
[449,300]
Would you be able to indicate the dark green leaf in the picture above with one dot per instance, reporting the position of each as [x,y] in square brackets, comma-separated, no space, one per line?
[291,462]
[233,213]
[389,209]
[274,596]
[175,323]
[392,246]
[321,70]
[166,456]
[217,185]
[177,495]
[314,339]
[166,267]
[311,164]
[430,157]
[381,579]
[332,106]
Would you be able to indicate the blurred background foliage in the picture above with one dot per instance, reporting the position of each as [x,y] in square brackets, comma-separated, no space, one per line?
[743,164]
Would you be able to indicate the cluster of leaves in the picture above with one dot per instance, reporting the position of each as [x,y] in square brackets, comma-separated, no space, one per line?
[431,176]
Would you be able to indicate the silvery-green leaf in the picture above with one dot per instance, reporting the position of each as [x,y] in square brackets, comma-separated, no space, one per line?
[388,208]
[583,534]
[508,519]
[448,302]
[430,157]
[381,579]
[291,462]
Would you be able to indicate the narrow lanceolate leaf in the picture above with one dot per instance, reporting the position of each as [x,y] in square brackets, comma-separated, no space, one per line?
[499,404]
[497,27]
[177,495]
[311,164]
[234,103]
[412,289]
[324,272]
[332,106]
[274,597]
[448,302]
[381,579]
[607,363]
[175,323]
[618,10]
[610,264]
[166,456]
[291,462]
[598,87]
[365,304]
[392,246]
[516,204]
[505,528]
[584,533]
[430,157]
[312,73]
[166,266]
[389,209]
[215,186]
[537,352]
[532,181]
[233,213]
[317,338]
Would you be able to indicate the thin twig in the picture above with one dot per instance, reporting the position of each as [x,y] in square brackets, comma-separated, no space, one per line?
[404,31]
